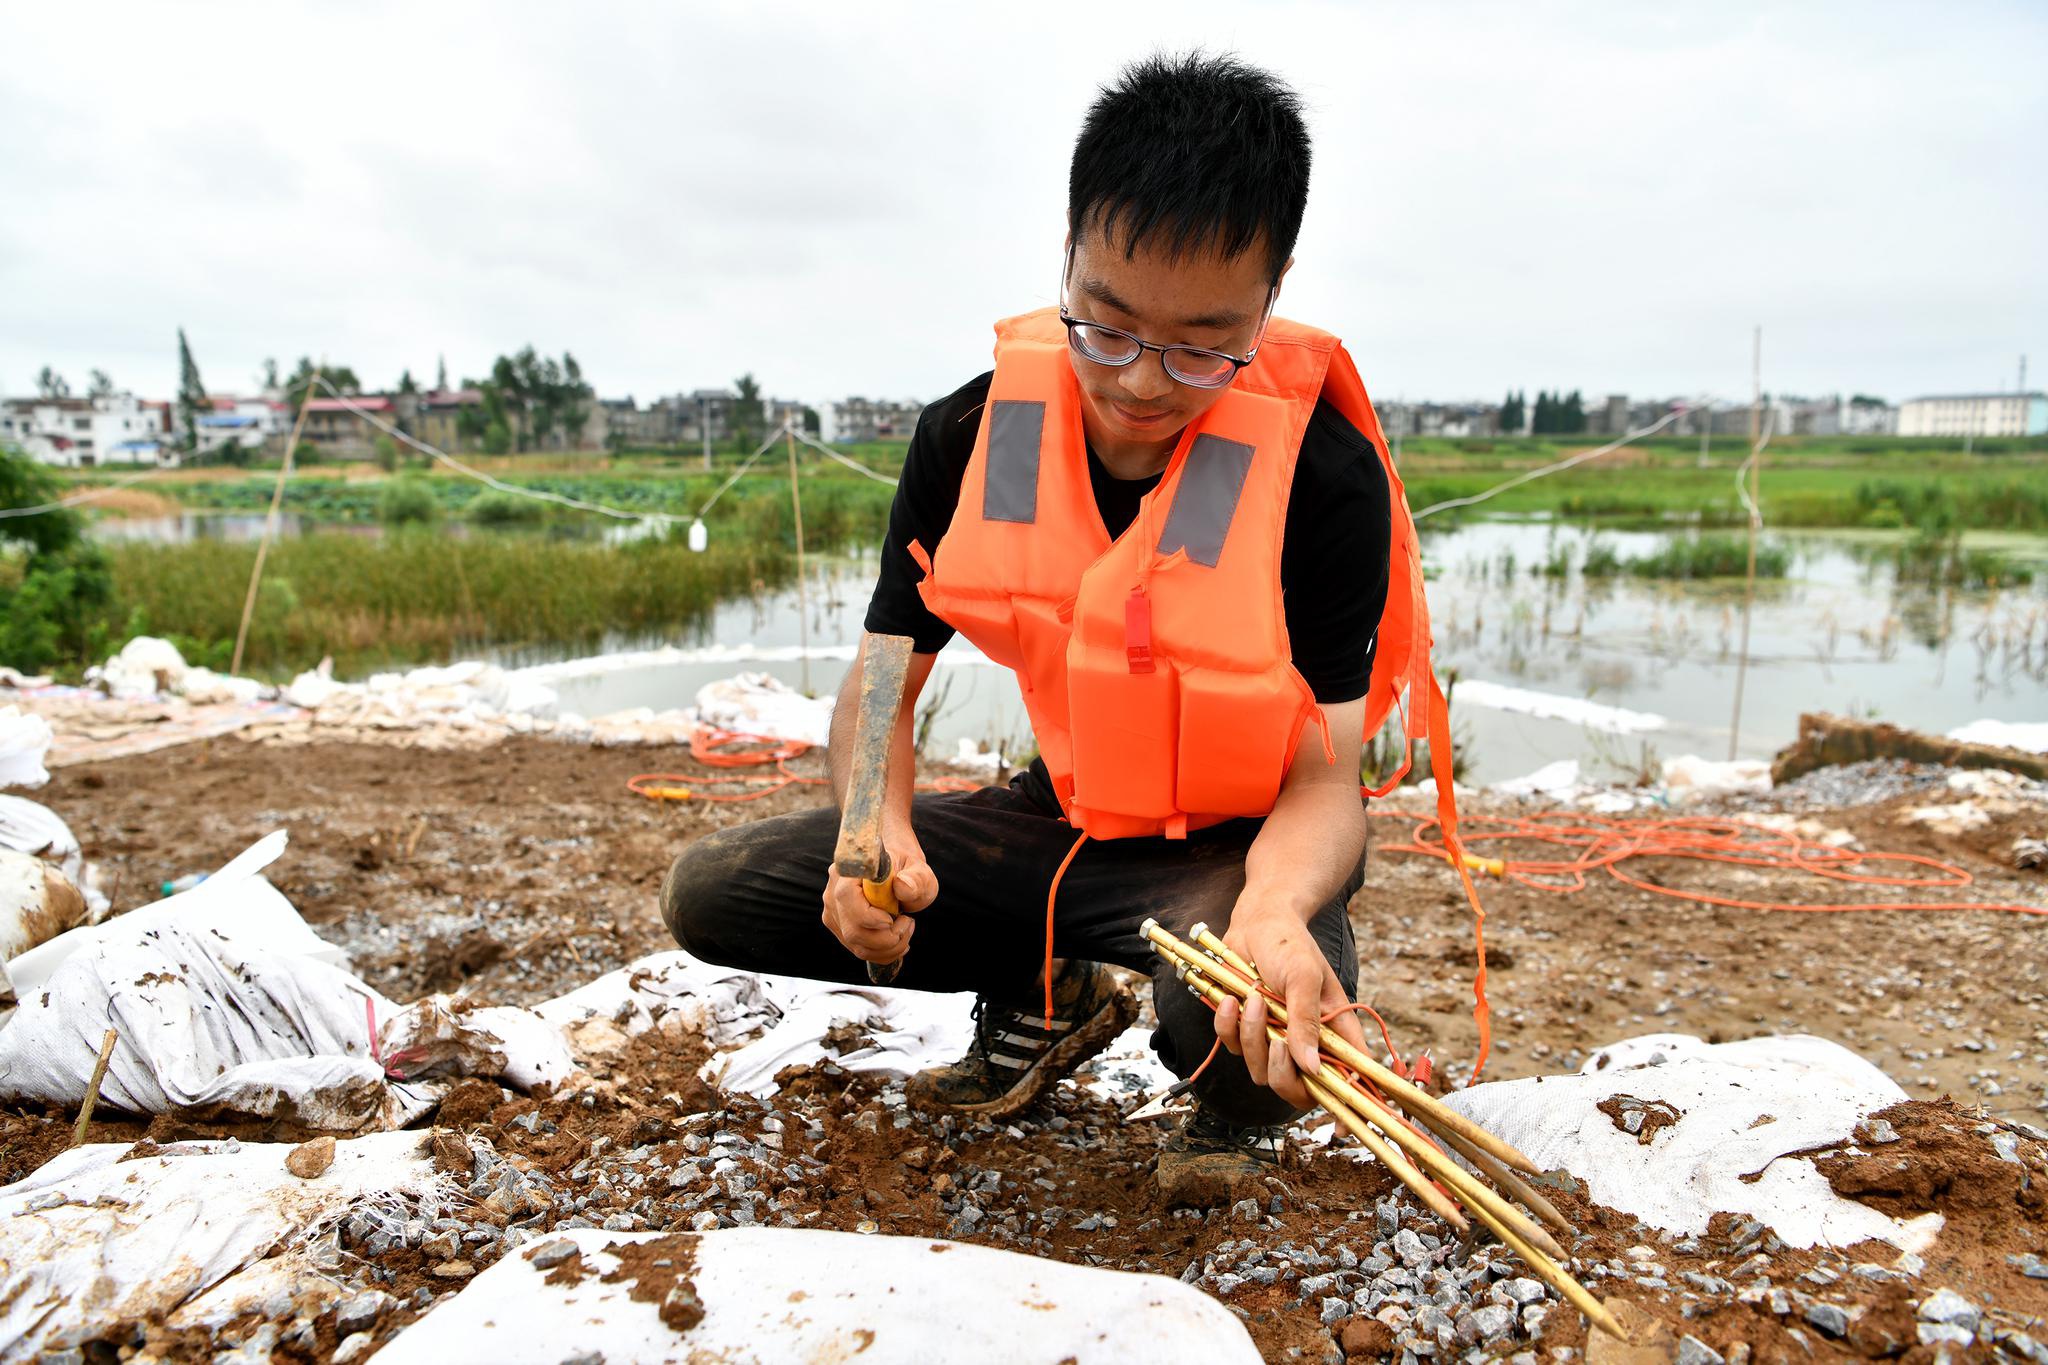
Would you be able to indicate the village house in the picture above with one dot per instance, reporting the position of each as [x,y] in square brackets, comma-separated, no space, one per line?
[80,433]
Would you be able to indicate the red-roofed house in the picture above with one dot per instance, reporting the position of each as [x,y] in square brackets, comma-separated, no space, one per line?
[333,424]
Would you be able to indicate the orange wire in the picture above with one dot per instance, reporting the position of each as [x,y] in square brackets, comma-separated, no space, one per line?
[713,749]
[1606,844]
[1052,892]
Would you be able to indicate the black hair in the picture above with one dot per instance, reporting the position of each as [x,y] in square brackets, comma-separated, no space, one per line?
[1193,152]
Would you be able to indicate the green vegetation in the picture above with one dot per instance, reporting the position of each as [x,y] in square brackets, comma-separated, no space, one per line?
[407,501]
[494,508]
[415,595]
[1806,482]
[1709,557]
[53,581]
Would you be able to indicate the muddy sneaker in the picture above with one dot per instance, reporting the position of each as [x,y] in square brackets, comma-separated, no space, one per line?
[1016,1057]
[1209,1162]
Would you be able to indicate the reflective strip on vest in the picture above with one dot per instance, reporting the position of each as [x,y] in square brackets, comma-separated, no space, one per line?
[1206,500]
[1015,429]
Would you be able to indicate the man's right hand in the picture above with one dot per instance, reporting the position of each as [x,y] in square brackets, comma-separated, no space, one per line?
[874,935]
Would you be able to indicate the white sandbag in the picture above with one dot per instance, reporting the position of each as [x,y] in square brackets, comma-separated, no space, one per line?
[1720,1127]
[763,704]
[2031,736]
[904,1031]
[145,667]
[28,827]
[206,1023]
[893,1032]
[1690,777]
[777,1294]
[93,1240]
[235,902]
[204,687]
[25,740]
[37,902]
[721,1003]
[439,1036]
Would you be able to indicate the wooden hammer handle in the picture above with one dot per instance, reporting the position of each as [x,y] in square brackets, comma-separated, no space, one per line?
[882,895]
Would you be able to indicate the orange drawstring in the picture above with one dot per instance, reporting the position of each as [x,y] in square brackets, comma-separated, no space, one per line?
[1052,892]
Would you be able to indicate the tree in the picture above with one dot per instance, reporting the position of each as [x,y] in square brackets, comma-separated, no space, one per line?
[387,453]
[748,415]
[1571,418]
[531,397]
[1544,420]
[192,399]
[441,375]
[301,385]
[50,599]
[1511,414]
[813,424]
[50,384]
[406,384]
[269,374]
[100,385]
[575,400]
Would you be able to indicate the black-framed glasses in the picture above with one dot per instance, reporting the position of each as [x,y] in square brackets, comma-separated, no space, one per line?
[1195,366]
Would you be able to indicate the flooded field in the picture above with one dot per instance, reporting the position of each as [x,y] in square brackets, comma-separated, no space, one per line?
[1616,672]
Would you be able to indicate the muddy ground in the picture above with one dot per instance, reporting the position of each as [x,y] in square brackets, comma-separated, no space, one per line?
[519,871]
[522,870]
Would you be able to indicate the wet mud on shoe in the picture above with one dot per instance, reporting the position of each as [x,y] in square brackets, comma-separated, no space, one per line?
[1018,1055]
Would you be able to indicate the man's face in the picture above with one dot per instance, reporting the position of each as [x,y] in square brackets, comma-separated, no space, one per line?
[1200,299]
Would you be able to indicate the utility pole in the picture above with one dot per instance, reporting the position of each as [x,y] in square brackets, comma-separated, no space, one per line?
[1706,428]
[704,427]
[1756,409]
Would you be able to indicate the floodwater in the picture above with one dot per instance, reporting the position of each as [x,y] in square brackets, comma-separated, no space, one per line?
[1641,670]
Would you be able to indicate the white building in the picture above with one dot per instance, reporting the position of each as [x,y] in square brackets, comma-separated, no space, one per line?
[78,433]
[247,422]
[1975,414]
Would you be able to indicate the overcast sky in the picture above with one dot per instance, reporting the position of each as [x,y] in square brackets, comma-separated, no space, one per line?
[840,198]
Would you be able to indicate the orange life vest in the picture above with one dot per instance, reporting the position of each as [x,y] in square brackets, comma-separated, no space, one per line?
[1156,667]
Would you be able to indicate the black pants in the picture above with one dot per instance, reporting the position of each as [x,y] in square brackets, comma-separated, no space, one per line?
[751,896]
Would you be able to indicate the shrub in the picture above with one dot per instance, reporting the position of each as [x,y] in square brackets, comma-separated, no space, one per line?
[53,581]
[406,501]
[497,508]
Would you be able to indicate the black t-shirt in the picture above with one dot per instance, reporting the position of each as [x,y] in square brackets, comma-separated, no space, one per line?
[1333,560]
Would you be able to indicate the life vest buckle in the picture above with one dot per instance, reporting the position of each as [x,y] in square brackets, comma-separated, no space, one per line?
[1138,631]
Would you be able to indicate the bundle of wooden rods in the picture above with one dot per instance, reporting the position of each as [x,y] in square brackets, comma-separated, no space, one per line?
[1400,1124]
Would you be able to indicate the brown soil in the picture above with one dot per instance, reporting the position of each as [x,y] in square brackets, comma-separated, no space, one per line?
[536,871]
[660,1272]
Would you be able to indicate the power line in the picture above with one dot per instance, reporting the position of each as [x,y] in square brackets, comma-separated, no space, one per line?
[1530,476]
[75,499]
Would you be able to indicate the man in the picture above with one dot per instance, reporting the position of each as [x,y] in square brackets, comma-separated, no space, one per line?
[1171,513]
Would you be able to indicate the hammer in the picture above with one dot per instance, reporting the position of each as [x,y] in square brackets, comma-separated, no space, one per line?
[884,662]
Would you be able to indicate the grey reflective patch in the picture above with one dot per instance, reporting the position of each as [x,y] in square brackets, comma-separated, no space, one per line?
[1010,490]
[1206,499]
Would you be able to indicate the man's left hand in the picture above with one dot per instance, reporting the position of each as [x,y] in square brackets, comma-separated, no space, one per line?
[1277,942]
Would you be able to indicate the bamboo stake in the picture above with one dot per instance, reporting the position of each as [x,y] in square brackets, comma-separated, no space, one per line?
[92,1092]
[1523,1237]
[1389,1156]
[1475,1196]
[284,471]
[1519,1189]
[1412,1097]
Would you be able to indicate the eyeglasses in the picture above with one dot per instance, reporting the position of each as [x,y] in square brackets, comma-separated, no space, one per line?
[1195,366]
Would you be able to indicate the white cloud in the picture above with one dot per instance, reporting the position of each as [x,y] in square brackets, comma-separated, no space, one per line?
[841,198]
